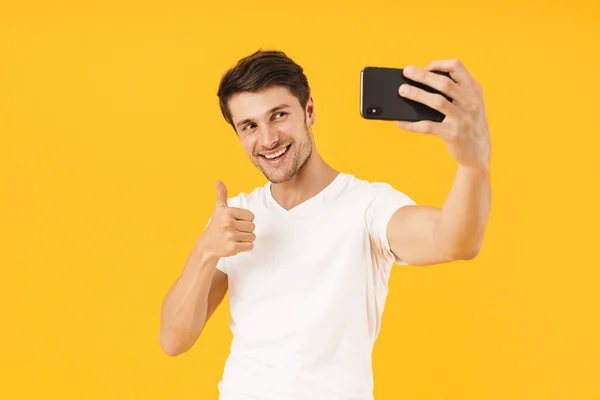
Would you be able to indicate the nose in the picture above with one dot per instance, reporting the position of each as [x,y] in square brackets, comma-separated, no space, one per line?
[269,137]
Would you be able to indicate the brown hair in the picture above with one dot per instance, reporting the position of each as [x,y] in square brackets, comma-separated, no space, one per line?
[260,70]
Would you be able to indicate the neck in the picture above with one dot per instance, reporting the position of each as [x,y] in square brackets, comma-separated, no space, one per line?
[312,178]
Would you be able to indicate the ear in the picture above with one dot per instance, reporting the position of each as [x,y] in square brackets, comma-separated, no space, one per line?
[310,112]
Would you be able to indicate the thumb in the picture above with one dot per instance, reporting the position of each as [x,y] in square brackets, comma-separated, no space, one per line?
[221,194]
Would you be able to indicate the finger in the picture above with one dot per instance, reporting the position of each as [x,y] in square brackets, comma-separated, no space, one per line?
[433,100]
[454,67]
[436,81]
[221,194]
[244,246]
[424,127]
[244,236]
[240,214]
[244,226]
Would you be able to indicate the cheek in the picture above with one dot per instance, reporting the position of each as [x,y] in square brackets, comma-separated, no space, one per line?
[248,144]
[301,132]
[293,130]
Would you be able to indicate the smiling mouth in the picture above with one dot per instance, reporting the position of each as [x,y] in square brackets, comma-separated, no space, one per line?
[277,155]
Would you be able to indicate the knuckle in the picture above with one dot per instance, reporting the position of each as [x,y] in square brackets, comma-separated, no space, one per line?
[230,248]
[418,73]
[453,136]
[423,127]
[446,85]
[224,217]
[439,101]
[465,124]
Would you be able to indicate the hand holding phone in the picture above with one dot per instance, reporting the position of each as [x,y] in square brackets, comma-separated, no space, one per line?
[457,115]
[380,99]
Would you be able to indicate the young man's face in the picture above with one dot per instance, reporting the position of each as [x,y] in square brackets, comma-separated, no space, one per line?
[274,130]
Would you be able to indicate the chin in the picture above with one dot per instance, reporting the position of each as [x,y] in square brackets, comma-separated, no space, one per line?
[279,176]
[286,170]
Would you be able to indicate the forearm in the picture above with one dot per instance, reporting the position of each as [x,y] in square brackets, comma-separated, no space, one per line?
[463,219]
[184,310]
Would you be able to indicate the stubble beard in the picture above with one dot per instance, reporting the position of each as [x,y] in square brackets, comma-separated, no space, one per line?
[301,153]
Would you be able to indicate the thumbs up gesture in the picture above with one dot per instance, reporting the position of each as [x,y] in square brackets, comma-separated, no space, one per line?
[231,229]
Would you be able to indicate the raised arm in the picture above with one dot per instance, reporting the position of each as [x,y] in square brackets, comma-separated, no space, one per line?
[422,235]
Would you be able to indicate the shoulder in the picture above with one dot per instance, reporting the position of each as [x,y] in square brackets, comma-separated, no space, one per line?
[373,190]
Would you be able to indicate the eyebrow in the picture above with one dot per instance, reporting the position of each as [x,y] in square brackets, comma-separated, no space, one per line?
[272,110]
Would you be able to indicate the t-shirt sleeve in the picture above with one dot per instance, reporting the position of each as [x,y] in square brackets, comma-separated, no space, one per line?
[383,203]
[222,265]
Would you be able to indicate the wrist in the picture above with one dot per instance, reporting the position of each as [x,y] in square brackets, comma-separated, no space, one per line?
[205,253]
[476,170]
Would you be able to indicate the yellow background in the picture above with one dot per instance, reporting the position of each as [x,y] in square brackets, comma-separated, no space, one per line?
[111,139]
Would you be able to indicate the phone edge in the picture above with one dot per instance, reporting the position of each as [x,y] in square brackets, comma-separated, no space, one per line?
[362,72]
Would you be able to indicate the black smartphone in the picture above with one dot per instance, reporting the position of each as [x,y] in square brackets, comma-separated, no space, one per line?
[380,100]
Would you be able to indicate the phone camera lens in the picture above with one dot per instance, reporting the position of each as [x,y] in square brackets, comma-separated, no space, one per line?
[374,110]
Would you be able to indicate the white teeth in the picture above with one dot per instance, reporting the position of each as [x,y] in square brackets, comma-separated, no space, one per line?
[280,152]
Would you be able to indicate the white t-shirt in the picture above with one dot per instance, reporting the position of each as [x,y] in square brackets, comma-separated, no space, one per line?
[306,302]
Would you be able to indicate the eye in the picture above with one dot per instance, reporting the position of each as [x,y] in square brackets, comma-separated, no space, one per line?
[281,114]
[249,126]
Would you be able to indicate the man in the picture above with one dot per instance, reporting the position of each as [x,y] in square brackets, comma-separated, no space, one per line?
[307,257]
